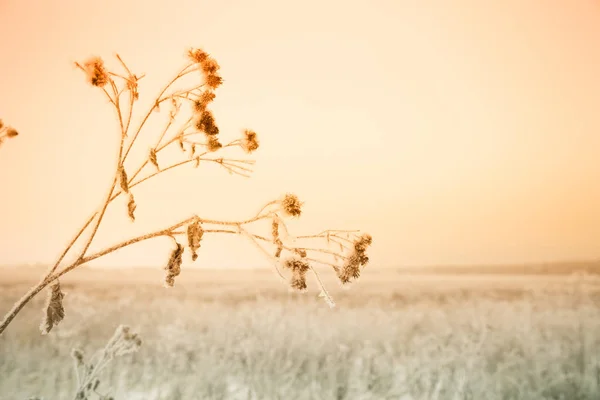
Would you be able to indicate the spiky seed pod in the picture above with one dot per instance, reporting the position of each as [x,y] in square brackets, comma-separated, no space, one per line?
[153,159]
[123,180]
[173,267]
[291,205]
[194,236]
[131,206]
[53,311]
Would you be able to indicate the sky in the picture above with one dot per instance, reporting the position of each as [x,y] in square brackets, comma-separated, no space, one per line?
[454,132]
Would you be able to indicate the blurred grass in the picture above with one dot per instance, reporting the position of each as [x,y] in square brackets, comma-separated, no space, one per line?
[241,335]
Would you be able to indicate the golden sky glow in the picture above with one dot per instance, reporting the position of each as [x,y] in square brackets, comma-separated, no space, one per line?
[452,131]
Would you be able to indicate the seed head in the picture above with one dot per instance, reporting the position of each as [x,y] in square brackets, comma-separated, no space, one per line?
[291,205]
[296,265]
[194,235]
[206,123]
[95,71]
[173,267]
[250,141]
[213,81]
[356,260]
[298,281]
[197,55]
[213,144]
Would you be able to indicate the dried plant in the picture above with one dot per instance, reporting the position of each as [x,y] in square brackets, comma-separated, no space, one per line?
[7,132]
[87,374]
[199,137]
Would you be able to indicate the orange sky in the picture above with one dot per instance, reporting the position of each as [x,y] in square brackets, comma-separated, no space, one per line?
[453,131]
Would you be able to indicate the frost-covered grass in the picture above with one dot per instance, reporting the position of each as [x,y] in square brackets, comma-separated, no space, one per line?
[246,337]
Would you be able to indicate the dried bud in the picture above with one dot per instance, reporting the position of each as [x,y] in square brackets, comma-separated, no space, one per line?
[131,206]
[275,230]
[153,159]
[291,205]
[123,180]
[250,141]
[11,132]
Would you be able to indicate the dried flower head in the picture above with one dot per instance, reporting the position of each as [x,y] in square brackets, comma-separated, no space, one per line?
[296,265]
[206,123]
[298,282]
[53,311]
[194,236]
[173,267]
[299,269]
[95,71]
[197,55]
[291,205]
[210,66]
[213,144]
[356,260]
[203,101]
[249,141]
[11,132]
[213,81]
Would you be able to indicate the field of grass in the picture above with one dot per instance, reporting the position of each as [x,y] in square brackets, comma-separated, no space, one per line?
[242,335]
